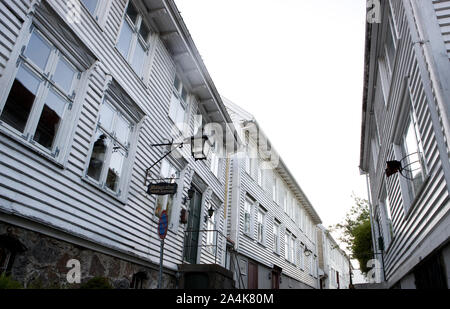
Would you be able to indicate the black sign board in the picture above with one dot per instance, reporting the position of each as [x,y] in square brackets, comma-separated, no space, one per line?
[162,188]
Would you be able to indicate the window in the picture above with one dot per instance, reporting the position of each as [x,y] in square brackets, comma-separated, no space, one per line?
[111,147]
[289,247]
[247,216]
[287,244]
[300,217]
[215,162]
[284,198]
[386,218]
[292,248]
[91,5]
[414,165]
[211,234]
[165,202]
[275,187]
[301,256]
[133,41]
[376,143]
[390,46]
[260,176]
[41,96]
[276,237]
[178,104]
[260,226]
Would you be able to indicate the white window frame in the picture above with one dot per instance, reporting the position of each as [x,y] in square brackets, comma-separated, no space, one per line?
[100,12]
[287,244]
[215,163]
[135,122]
[248,210]
[409,117]
[111,148]
[301,253]
[260,223]
[61,144]
[293,244]
[177,101]
[136,38]
[276,235]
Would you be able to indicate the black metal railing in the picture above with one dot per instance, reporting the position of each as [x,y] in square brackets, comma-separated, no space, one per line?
[192,242]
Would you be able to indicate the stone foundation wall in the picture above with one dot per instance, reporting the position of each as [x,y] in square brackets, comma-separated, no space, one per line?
[43,263]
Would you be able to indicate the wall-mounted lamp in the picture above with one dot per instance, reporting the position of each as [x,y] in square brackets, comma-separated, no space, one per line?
[394,166]
[307,251]
[200,148]
[190,195]
[210,213]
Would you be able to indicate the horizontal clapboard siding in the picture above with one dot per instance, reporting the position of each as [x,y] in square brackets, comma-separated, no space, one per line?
[410,228]
[35,188]
[12,17]
[442,8]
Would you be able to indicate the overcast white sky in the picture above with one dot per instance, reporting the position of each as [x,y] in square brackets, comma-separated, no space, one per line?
[297,65]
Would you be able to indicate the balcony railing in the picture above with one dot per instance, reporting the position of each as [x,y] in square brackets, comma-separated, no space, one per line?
[214,244]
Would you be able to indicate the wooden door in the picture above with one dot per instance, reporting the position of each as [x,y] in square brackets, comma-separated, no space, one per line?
[275,280]
[193,226]
[252,275]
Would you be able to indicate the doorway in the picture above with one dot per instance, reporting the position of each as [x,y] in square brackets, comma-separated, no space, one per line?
[193,226]
[252,275]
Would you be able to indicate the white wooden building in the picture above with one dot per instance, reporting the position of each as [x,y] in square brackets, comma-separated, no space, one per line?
[406,109]
[86,88]
[335,270]
[271,222]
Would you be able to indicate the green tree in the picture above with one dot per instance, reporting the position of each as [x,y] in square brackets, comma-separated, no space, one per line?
[356,233]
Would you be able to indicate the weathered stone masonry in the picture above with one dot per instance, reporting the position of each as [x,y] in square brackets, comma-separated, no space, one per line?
[44,259]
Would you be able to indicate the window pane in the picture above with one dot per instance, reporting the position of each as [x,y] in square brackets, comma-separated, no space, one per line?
[115,169]
[413,166]
[125,39]
[106,117]
[184,94]
[91,5]
[180,116]
[176,83]
[144,32]
[122,130]
[176,111]
[38,50]
[20,99]
[64,75]
[98,156]
[50,120]
[132,12]
[138,59]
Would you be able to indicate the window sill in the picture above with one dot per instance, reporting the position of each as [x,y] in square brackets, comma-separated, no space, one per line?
[262,245]
[92,183]
[47,156]
[248,236]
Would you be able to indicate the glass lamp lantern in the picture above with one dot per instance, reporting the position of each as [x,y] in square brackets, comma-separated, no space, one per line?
[200,147]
